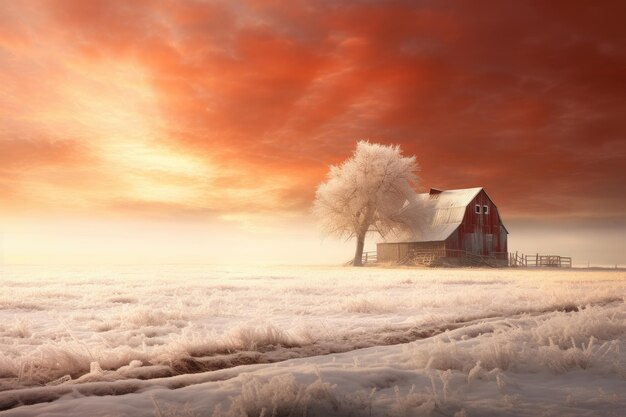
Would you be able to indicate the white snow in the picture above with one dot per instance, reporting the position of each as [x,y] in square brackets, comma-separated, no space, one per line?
[218,341]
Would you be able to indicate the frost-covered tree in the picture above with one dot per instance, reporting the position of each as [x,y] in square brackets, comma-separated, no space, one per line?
[365,193]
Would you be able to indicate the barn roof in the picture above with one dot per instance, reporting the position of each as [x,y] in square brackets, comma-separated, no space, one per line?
[434,216]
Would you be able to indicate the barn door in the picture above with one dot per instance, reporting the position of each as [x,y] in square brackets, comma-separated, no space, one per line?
[488,244]
[473,243]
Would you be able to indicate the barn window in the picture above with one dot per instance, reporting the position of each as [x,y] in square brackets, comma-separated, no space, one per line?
[477,208]
[486,209]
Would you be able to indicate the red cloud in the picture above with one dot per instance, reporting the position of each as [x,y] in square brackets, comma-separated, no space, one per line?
[524,98]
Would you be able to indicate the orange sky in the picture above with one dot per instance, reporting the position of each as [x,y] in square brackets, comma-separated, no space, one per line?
[220,117]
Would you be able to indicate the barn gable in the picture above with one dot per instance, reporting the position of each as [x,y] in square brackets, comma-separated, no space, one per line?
[482,231]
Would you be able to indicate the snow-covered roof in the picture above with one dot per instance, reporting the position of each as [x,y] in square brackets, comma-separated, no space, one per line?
[434,216]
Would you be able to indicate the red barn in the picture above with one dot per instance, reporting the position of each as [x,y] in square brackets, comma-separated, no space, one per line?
[448,226]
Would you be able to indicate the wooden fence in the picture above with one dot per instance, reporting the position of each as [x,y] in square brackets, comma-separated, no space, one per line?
[499,259]
[516,260]
[494,259]
[370,257]
[540,261]
[438,257]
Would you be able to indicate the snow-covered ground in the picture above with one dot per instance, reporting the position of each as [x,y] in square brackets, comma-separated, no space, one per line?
[316,341]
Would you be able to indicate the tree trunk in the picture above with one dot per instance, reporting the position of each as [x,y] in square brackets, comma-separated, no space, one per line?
[358,256]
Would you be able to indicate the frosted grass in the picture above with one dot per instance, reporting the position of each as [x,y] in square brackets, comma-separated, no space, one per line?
[195,342]
[57,324]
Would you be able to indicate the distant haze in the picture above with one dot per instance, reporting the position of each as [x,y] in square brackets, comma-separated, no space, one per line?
[197,131]
[139,242]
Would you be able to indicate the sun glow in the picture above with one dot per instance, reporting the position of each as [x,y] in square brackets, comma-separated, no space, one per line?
[118,116]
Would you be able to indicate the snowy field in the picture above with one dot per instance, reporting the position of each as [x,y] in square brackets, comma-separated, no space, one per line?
[315,341]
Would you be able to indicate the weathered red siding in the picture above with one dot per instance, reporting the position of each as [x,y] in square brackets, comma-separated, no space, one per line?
[481,233]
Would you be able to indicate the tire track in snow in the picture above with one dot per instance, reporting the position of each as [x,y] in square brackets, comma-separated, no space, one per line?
[190,370]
